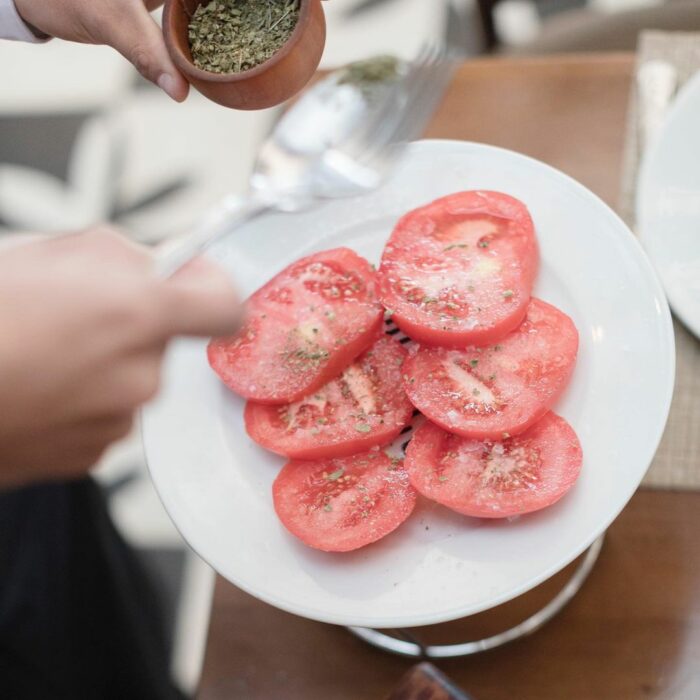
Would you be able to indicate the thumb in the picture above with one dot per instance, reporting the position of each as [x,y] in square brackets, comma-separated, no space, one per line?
[140,40]
[200,300]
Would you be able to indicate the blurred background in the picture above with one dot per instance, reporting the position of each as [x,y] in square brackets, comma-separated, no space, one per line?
[83,139]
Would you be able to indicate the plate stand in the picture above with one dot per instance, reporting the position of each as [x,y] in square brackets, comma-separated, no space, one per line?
[406,643]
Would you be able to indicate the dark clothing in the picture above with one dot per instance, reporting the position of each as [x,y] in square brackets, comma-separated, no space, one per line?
[78,617]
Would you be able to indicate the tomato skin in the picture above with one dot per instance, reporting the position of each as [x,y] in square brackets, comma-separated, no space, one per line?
[480,247]
[335,420]
[484,393]
[340,505]
[487,479]
[301,328]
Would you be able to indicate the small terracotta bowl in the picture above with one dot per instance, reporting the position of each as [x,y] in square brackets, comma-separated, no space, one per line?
[266,85]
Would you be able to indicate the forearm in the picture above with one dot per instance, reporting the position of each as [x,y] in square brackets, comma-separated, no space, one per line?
[13,27]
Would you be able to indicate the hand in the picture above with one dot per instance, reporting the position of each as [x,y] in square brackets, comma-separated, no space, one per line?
[122,24]
[83,326]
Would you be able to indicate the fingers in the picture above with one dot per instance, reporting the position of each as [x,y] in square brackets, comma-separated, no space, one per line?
[139,39]
[143,310]
[200,300]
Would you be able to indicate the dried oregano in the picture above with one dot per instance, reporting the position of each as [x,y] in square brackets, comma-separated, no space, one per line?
[371,71]
[230,36]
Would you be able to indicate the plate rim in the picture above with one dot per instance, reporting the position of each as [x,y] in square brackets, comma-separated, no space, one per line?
[457,612]
[686,93]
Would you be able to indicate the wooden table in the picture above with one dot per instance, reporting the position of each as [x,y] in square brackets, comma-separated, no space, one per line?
[634,629]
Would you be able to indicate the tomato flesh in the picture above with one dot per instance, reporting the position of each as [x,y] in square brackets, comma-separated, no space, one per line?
[301,329]
[363,407]
[489,392]
[339,505]
[496,479]
[460,270]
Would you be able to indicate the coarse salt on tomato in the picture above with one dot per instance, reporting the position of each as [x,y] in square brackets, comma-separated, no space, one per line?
[302,328]
[502,389]
[364,406]
[496,479]
[460,270]
[339,505]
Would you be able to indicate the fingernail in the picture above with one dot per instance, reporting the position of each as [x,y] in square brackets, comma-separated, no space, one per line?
[168,85]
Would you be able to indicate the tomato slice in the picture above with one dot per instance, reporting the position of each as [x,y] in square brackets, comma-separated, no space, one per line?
[363,407]
[488,479]
[338,505]
[460,270]
[500,390]
[302,328]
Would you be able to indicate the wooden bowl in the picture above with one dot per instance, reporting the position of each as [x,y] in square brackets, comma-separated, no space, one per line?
[266,85]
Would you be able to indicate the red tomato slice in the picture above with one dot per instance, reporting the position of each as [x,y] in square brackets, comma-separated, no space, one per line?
[302,328]
[342,504]
[460,271]
[500,479]
[363,407]
[489,392]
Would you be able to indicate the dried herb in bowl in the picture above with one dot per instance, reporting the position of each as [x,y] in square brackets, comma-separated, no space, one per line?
[231,36]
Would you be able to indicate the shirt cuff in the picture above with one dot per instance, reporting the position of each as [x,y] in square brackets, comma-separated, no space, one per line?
[13,27]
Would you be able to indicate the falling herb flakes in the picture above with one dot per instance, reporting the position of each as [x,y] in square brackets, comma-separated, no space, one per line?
[372,71]
[231,36]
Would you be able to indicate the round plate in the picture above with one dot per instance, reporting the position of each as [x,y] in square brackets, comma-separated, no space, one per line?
[668,205]
[216,483]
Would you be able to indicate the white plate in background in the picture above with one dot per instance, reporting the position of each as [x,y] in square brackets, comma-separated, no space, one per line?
[668,204]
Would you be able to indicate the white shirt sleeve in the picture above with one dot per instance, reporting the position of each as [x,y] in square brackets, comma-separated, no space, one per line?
[12,26]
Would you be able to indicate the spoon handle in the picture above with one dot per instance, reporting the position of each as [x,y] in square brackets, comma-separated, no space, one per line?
[232,212]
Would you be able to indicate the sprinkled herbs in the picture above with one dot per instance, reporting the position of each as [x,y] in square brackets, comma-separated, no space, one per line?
[455,245]
[336,475]
[363,427]
[373,71]
[231,36]
[508,294]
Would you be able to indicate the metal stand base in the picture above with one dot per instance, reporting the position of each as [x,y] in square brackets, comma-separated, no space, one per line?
[409,645]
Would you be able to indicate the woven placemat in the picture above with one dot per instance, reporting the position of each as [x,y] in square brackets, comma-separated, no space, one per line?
[677,462]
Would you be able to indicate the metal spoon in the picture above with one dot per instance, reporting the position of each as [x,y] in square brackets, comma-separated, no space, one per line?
[339,140]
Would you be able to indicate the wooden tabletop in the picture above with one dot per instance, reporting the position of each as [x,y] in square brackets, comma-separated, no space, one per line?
[634,629]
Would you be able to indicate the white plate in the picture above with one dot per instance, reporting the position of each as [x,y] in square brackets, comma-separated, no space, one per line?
[668,204]
[215,482]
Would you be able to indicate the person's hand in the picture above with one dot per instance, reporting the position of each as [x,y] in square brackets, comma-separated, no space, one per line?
[124,24]
[83,325]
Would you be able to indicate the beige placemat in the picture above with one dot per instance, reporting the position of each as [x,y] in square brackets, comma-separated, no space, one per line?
[677,462]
